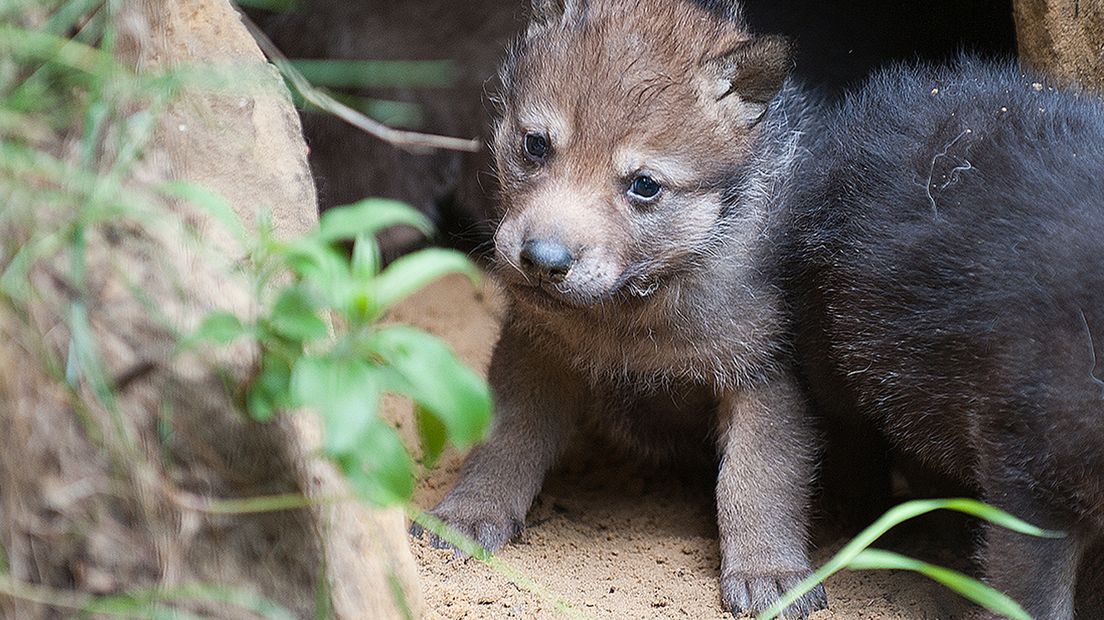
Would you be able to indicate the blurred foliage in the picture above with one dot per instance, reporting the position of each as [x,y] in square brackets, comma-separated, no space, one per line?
[64,74]
[270,5]
[75,123]
[342,375]
[376,73]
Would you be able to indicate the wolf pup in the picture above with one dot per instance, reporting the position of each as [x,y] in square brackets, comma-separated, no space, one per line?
[637,154]
[945,243]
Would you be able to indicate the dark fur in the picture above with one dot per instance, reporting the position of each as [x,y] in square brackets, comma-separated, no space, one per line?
[945,244]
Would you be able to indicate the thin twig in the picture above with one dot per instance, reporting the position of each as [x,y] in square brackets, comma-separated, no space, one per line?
[410,140]
[249,505]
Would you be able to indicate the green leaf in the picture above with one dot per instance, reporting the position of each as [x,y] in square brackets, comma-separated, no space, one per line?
[311,259]
[426,370]
[344,392]
[366,258]
[368,217]
[987,597]
[433,435]
[413,271]
[260,405]
[380,470]
[322,267]
[269,392]
[220,328]
[295,316]
[358,305]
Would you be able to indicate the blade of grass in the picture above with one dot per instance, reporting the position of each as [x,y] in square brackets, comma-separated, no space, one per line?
[976,591]
[147,603]
[271,5]
[242,599]
[251,505]
[45,47]
[892,518]
[70,13]
[375,73]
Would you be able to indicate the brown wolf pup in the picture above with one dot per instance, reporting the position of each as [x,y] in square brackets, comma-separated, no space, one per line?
[636,154]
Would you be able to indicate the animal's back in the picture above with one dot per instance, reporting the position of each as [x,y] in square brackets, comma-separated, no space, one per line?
[949,229]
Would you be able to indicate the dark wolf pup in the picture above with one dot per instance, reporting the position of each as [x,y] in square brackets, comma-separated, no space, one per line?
[945,244]
[637,155]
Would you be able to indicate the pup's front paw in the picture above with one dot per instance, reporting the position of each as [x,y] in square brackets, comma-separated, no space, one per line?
[488,526]
[747,594]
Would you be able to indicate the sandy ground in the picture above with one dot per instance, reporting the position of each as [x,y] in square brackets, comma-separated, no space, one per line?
[613,538]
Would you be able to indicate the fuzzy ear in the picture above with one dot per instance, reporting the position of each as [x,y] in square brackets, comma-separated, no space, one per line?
[547,12]
[747,77]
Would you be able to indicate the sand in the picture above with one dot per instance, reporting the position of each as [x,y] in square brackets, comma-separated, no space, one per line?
[614,538]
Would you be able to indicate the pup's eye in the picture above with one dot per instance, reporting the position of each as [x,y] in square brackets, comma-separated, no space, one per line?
[644,187]
[537,146]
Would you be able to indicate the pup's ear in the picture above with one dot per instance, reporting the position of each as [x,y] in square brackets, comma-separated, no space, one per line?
[746,78]
[544,13]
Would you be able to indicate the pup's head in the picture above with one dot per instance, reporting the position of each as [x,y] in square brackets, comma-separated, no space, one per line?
[623,123]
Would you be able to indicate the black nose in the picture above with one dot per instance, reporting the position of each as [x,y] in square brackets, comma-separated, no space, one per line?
[546,259]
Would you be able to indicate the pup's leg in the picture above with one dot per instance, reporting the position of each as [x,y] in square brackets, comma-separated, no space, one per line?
[1090,582]
[1038,573]
[767,455]
[537,404]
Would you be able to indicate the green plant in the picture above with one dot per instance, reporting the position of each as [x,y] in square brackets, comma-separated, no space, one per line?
[857,555]
[342,373]
[75,121]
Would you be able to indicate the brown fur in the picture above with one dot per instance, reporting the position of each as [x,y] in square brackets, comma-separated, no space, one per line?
[663,313]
